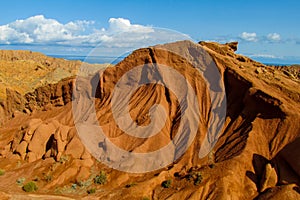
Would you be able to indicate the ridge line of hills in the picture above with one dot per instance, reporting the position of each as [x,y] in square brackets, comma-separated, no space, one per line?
[256,156]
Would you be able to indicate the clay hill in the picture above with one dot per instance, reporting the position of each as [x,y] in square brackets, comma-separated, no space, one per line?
[22,72]
[257,155]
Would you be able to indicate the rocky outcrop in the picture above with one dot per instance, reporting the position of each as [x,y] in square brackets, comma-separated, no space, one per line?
[24,71]
[31,80]
[42,140]
[42,98]
[251,159]
[269,178]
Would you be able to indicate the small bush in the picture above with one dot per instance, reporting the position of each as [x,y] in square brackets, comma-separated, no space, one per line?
[211,165]
[91,191]
[30,187]
[2,172]
[74,186]
[48,178]
[63,159]
[129,185]
[84,183]
[20,181]
[198,178]
[145,198]
[101,178]
[166,183]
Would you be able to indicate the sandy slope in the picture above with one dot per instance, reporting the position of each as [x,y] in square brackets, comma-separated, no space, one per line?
[256,154]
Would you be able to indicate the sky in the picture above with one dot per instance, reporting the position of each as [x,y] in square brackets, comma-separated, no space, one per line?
[267,31]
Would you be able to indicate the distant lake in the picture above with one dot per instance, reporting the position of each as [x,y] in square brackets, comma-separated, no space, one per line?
[91,59]
[276,64]
[115,60]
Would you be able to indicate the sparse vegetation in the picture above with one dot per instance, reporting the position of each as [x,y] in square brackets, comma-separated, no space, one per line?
[2,172]
[129,185]
[48,178]
[196,177]
[20,181]
[211,165]
[166,183]
[101,178]
[91,191]
[30,187]
[74,186]
[63,159]
[84,183]
[145,198]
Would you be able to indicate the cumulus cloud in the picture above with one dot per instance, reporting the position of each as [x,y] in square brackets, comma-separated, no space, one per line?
[273,37]
[8,34]
[124,25]
[268,38]
[120,33]
[39,30]
[251,37]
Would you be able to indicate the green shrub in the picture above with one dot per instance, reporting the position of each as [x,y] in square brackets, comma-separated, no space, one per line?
[211,165]
[2,172]
[30,187]
[63,159]
[91,191]
[48,178]
[101,178]
[84,183]
[166,183]
[145,198]
[74,186]
[195,176]
[130,185]
[198,178]
[20,181]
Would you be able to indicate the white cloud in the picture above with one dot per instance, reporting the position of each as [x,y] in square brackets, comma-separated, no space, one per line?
[251,37]
[38,29]
[120,33]
[9,35]
[124,25]
[263,56]
[273,37]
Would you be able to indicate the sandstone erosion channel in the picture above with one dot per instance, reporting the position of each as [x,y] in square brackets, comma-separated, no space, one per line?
[256,155]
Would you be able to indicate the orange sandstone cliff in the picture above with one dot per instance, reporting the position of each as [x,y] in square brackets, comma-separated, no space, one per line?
[256,154]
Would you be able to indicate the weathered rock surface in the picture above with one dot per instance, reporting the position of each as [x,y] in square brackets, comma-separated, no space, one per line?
[256,156]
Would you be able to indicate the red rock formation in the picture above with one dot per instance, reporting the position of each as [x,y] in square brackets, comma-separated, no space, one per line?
[251,159]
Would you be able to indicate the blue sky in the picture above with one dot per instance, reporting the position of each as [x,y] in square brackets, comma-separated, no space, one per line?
[268,31]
